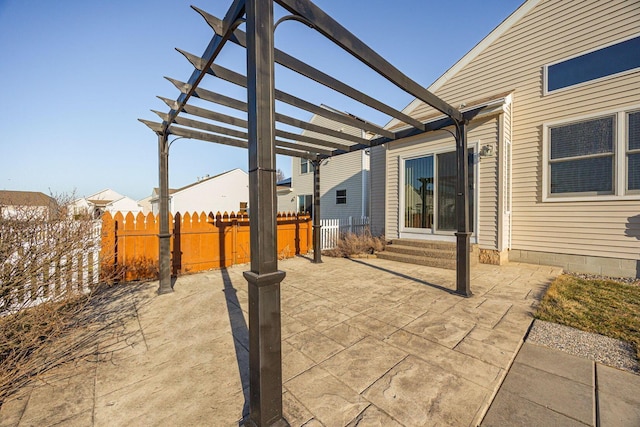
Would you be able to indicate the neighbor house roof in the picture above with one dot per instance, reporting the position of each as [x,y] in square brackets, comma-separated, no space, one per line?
[209,178]
[24,198]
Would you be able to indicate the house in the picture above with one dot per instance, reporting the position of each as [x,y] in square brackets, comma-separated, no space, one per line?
[286,200]
[225,192]
[344,179]
[145,204]
[555,152]
[21,204]
[103,201]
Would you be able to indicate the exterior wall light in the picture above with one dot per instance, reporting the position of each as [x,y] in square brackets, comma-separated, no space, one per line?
[487,150]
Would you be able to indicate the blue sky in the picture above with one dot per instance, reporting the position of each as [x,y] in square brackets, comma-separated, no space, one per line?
[76,76]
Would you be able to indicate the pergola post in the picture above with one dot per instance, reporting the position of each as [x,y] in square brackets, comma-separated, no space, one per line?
[265,354]
[164,236]
[463,235]
[317,238]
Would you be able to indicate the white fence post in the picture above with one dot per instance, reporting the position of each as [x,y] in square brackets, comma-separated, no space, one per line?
[333,228]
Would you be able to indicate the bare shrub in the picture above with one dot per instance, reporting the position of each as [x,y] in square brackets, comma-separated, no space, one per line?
[50,269]
[353,244]
[43,249]
[91,327]
[284,253]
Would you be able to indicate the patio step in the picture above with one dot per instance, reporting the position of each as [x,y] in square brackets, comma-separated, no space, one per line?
[425,252]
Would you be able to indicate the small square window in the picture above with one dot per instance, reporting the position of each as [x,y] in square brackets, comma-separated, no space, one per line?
[341,197]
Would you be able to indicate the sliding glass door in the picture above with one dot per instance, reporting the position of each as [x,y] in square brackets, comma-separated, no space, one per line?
[446,191]
[430,192]
[418,192]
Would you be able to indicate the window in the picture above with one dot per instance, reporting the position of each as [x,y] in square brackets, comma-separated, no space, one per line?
[607,61]
[582,157]
[633,152]
[305,204]
[595,157]
[305,166]
[341,197]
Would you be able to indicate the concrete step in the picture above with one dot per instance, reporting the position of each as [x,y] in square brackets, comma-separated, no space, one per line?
[449,264]
[431,253]
[442,253]
[430,244]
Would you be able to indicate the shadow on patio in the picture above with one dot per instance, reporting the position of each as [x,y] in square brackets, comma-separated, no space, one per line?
[363,340]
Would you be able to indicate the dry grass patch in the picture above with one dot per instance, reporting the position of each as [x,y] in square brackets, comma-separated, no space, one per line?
[90,327]
[603,306]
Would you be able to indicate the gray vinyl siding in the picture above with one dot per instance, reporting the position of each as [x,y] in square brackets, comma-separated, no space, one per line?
[487,132]
[378,189]
[554,30]
[480,132]
[344,172]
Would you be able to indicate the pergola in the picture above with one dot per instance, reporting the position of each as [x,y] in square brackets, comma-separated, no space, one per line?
[264,141]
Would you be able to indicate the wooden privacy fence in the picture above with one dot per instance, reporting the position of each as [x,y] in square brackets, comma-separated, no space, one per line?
[198,242]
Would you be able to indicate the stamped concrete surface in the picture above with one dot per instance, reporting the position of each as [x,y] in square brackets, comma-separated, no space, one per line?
[365,342]
[548,387]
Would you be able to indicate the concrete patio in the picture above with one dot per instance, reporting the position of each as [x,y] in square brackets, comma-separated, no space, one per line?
[365,342]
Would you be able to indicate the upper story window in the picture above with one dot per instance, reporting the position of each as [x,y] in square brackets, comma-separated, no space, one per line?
[607,61]
[341,197]
[594,158]
[305,166]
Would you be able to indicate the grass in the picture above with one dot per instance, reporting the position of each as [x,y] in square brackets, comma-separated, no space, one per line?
[602,306]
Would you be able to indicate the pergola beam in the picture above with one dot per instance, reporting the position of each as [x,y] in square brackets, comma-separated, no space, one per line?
[335,32]
[209,127]
[236,104]
[294,64]
[240,80]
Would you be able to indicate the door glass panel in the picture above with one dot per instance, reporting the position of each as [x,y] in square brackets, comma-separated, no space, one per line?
[418,192]
[446,194]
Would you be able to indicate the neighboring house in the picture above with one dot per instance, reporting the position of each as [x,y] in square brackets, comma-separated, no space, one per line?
[287,202]
[555,170]
[103,201]
[344,179]
[145,204]
[16,204]
[226,192]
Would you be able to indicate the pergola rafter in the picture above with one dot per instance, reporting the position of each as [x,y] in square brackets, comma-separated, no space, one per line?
[259,135]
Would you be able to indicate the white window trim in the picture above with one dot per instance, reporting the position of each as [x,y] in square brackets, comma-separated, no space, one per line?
[620,159]
[407,231]
[545,69]
[309,166]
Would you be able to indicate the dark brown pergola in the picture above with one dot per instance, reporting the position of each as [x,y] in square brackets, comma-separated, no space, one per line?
[264,141]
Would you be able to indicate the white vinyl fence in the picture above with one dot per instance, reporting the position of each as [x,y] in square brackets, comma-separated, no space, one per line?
[73,272]
[333,228]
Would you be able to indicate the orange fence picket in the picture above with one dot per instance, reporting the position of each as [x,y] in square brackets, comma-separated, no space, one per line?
[198,242]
